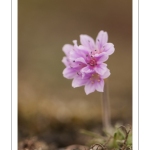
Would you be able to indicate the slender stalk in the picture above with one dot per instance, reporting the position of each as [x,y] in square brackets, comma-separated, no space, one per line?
[106,108]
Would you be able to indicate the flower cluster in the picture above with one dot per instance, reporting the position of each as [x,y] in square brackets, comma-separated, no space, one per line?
[85,63]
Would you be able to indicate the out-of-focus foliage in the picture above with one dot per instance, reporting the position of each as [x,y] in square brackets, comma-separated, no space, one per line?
[118,138]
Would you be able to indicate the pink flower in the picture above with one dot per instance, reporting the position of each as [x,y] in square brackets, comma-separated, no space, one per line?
[85,63]
[101,44]
[92,81]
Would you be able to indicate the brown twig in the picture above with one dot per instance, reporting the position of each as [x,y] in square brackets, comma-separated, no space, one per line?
[107,141]
[124,146]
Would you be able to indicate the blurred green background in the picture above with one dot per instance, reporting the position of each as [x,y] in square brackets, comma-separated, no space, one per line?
[46,100]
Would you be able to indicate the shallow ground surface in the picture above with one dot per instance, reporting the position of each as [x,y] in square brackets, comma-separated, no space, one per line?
[48,106]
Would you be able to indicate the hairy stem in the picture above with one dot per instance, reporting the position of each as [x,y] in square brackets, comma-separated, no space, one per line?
[106,108]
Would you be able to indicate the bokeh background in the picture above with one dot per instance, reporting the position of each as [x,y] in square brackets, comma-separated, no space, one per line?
[48,107]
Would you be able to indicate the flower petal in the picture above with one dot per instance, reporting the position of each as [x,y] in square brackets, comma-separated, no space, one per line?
[87,41]
[65,61]
[79,51]
[78,81]
[100,86]
[101,68]
[109,48]
[101,57]
[69,73]
[87,69]
[81,59]
[101,39]
[67,48]
[89,87]
[106,74]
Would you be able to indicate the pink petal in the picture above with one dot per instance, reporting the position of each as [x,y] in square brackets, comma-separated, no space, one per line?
[86,69]
[101,39]
[87,41]
[67,48]
[109,48]
[75,43]
[81,59]
[101,68]
[69,73]
[65,61]
[106,74]
[89,87]
[78,81]
[100,86]
[101,57]
[79,51]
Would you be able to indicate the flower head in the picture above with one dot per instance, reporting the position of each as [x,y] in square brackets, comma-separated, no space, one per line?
[85,63]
